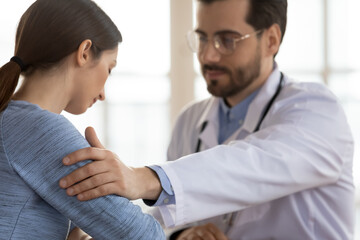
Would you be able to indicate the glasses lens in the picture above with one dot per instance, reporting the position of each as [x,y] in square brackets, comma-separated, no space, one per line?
[225,43]
[193,41]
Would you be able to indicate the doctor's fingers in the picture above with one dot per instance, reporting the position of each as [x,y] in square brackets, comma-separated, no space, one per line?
[92,138]
[95,182]
[192,237]
[84,172]
[199,232]
[208,231]
[103,190]
[219,235]
[196,236]
[92,153]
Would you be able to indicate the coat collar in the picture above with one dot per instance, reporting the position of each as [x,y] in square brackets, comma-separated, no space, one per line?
[209,135]
[257,106]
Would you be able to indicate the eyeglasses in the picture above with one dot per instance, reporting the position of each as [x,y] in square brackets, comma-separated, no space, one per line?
[224,42]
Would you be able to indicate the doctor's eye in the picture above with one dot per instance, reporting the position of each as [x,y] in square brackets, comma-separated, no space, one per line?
[201,38]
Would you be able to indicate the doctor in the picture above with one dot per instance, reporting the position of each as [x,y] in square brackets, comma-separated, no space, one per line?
[264,158]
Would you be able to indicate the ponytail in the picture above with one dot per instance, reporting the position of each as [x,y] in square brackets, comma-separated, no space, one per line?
[9,78]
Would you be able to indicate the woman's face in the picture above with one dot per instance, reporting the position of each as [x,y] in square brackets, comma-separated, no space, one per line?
[89,85]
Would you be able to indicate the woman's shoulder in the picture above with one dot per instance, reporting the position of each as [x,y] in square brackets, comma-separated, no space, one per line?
[22,117]
[26,127]
[22,114]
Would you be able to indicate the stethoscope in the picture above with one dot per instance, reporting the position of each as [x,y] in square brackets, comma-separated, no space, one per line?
[229,217]
[264,113]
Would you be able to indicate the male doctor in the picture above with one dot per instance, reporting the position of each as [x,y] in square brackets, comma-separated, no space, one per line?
[264,158]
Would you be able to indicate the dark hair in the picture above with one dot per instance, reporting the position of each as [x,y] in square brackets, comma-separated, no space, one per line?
[262,14]
[49,31]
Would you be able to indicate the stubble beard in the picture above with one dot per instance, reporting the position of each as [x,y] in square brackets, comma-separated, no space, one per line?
[238,82]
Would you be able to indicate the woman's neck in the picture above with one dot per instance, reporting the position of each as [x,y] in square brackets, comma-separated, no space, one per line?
[49,91]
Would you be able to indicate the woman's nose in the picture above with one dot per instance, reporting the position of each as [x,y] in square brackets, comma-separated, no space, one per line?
[102,95]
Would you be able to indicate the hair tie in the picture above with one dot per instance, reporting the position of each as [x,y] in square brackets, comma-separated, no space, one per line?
[19,62]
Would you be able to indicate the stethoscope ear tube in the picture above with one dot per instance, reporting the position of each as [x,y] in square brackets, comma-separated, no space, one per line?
[270,103]
[199,140]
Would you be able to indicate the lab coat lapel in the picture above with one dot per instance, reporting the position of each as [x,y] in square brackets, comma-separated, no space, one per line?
[209,134]
[257,106]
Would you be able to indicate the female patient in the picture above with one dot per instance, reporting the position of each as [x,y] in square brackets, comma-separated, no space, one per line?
[65,49]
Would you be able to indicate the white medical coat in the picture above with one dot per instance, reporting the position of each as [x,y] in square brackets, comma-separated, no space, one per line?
[290,180]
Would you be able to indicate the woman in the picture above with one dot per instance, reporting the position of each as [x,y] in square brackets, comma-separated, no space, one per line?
[65,49]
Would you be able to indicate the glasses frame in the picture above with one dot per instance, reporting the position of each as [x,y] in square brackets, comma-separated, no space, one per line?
[217,42]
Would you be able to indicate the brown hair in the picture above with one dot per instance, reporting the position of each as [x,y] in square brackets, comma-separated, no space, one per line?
[264,13]
[49,31]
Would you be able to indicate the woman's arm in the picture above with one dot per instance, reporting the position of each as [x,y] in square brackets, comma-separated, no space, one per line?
[37,158]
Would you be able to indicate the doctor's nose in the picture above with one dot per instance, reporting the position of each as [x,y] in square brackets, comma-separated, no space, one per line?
[209,54]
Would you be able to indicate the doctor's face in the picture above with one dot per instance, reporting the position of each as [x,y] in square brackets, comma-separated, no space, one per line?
[227,73]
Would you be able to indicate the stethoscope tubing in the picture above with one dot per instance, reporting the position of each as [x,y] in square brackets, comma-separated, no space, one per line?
[263,115]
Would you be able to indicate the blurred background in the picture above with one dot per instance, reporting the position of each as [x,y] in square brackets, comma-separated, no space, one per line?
[157,75]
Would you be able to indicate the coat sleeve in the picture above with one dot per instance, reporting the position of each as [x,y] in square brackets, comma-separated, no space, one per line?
[37,158]
[304,142]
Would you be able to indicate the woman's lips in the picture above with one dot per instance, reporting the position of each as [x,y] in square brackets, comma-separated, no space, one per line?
[94,101]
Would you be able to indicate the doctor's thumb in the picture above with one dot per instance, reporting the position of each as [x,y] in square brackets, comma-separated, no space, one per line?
[92,138]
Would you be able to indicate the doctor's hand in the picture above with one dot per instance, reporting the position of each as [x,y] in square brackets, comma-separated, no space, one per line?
[204,232]
[107,175]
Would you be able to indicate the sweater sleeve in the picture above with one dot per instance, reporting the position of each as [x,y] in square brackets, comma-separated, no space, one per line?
[36,143]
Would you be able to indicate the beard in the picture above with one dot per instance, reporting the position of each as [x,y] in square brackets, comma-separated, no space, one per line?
[238,81]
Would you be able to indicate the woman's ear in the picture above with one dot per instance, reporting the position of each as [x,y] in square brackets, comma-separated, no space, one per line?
[83,54]
[273,39]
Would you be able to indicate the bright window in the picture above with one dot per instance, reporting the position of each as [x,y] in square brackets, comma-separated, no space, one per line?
[135,114]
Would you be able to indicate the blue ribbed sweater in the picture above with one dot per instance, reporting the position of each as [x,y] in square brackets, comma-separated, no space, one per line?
[32,205]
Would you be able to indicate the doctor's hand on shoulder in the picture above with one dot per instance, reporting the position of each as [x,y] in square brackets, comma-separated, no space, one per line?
[106,174]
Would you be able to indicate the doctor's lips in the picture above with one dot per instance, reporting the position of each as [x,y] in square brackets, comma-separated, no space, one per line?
[211,72]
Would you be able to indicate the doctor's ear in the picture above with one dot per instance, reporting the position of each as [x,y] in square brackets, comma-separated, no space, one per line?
[273,39]
[83,54]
